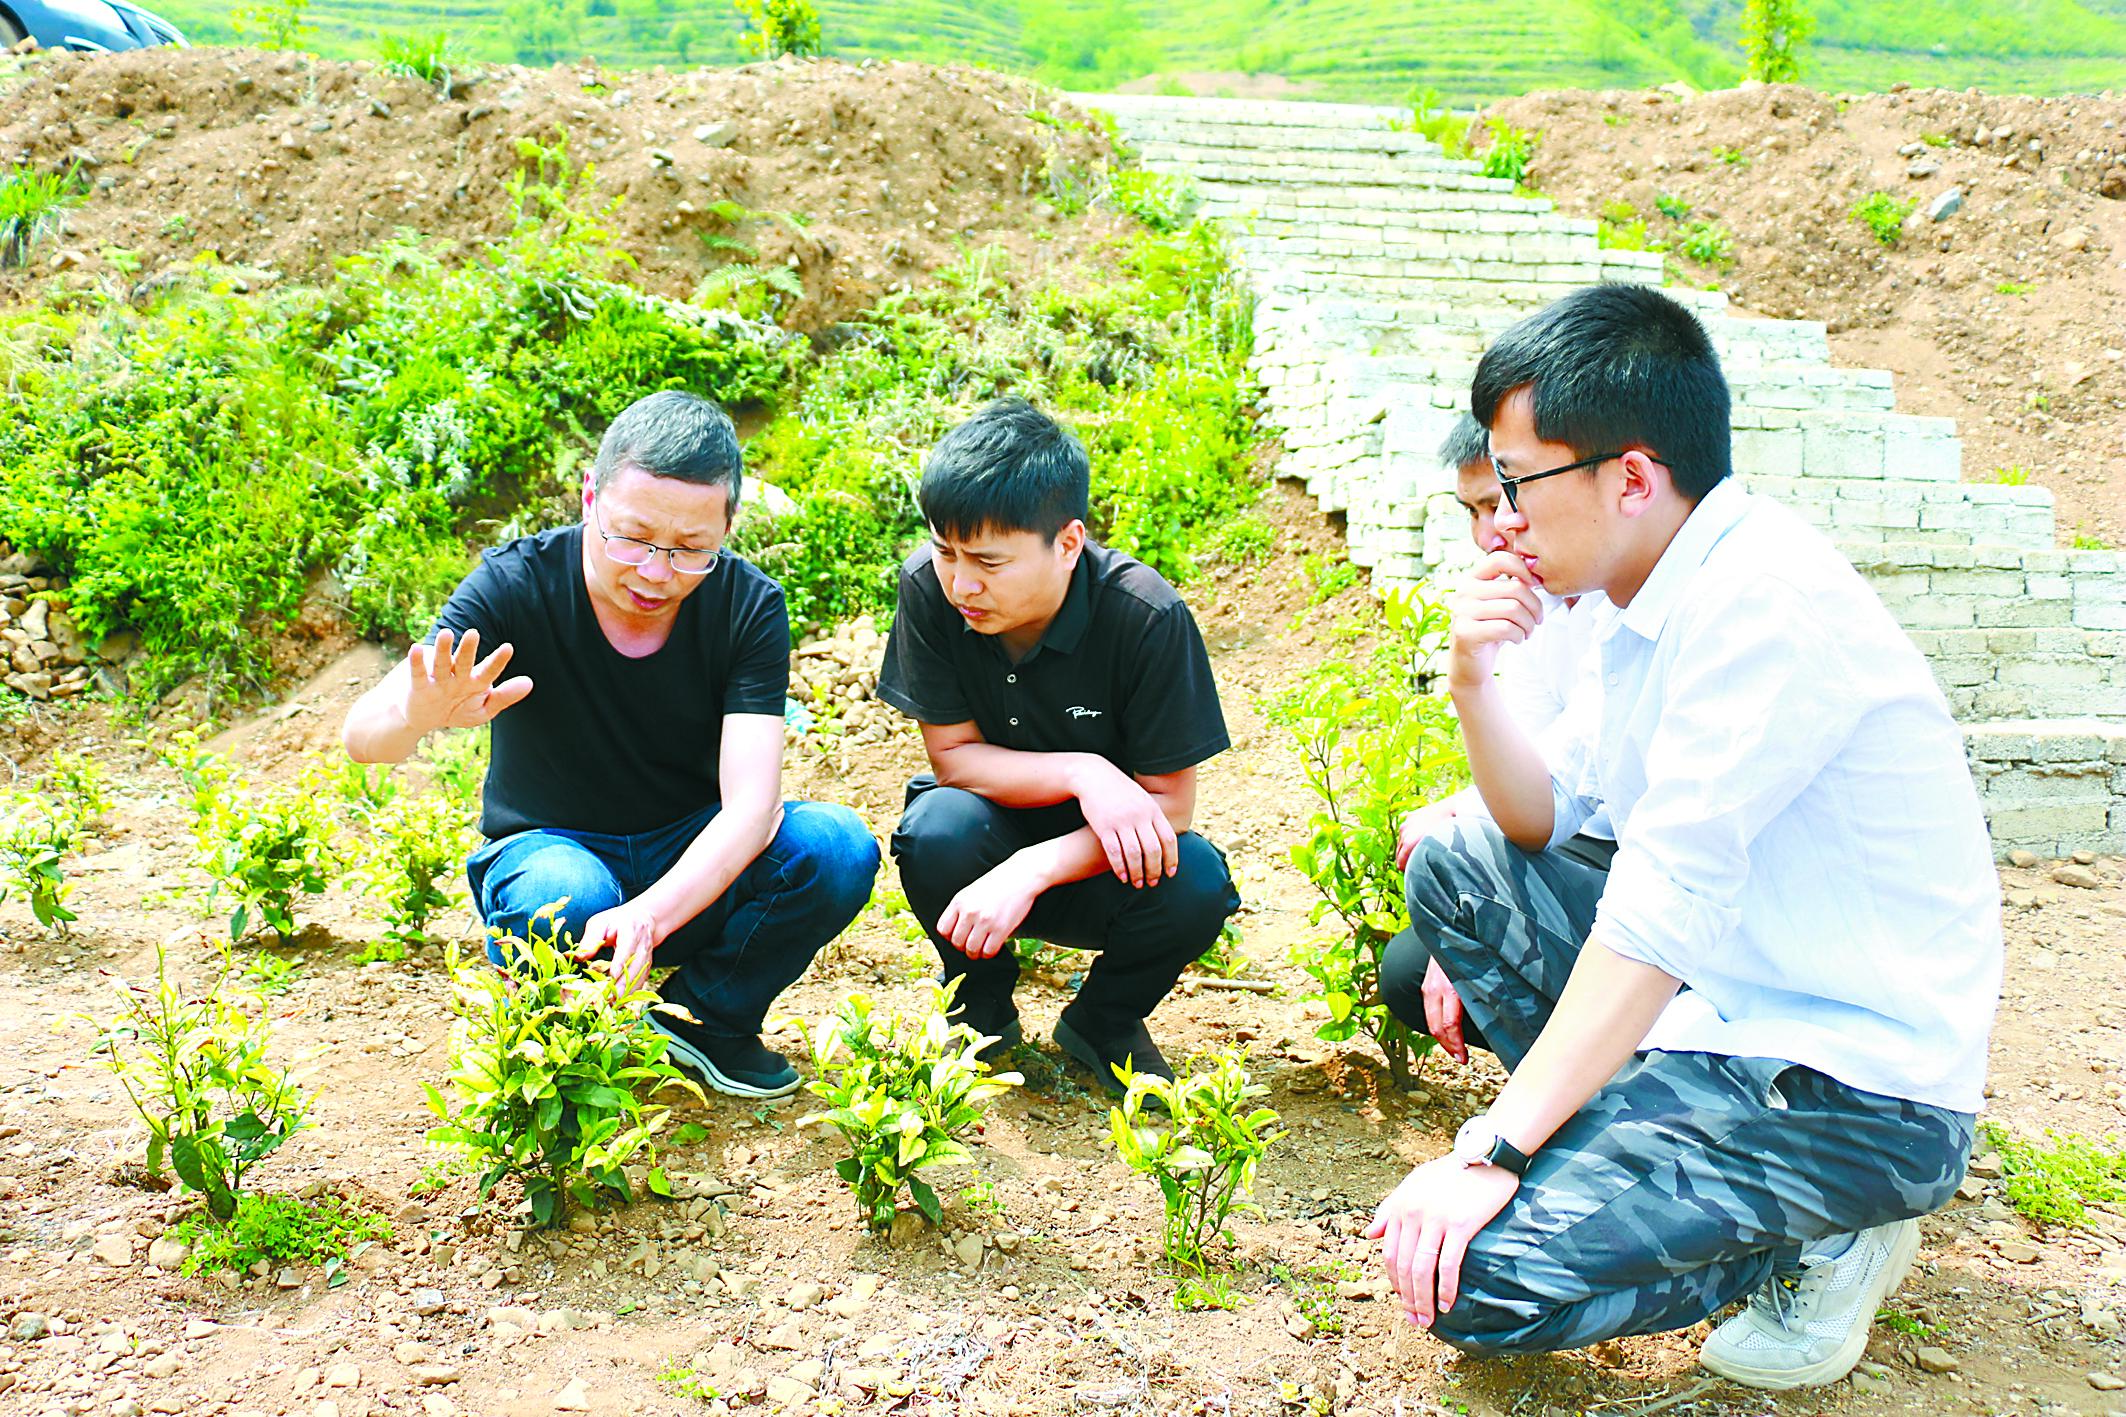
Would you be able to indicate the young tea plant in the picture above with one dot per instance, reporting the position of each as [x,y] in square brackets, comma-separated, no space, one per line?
[415,845]
[902,1089]
[553,1067]
[278,1229]
[1884,215]
[194,1064]
[36,836]
[33,205]
[264,847]
[1203,1155]
[1374,749]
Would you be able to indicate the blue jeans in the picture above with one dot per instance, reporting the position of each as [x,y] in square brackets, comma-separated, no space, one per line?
[736,956]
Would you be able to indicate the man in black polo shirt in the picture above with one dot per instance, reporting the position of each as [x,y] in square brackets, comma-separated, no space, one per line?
[637,763]
[1066,699]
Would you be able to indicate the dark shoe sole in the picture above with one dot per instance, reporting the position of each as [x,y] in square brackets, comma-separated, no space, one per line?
[1010,1036]
[1080,1050]
[704,1067]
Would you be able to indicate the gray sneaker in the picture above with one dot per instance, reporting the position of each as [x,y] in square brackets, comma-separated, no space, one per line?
[1809,1328]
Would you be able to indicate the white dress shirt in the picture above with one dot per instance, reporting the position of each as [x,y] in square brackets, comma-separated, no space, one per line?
[1539,676]
[1799,840]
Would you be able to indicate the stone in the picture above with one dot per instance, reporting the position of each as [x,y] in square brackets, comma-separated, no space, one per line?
[2023,857]
[115,1250]
[166,1253]
[716,135]
[1921,168]
[1932,1359]
[572,1398]
[804,1296]
[28,1328]
[2107,1382]
[436,1374]
[118,646]
[163,1365]
[1986,1167]
[968,1251]
[809,1372]
[288,1278]
[2080,876]
[434,1404]
[2017,1251]
[1946,205]
[788,1337]
[788,1392]
[2084,858]
[2074,238]
[343,1375]
[1868,1385]
[427,1302]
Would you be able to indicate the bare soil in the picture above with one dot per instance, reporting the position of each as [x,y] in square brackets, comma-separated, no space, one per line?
[1043,1295]
[2008,316]
[864,175]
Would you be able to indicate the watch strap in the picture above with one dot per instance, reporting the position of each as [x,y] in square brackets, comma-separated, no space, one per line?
[1507,1157]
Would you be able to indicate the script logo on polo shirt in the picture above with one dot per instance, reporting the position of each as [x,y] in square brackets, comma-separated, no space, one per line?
[1076,712]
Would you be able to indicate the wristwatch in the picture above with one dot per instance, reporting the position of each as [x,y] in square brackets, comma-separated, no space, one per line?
[1478,1143]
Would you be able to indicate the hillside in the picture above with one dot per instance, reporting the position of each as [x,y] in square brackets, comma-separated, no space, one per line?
[1356,49]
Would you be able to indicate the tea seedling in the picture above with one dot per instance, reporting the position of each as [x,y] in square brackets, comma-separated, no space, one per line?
[1884,215]
[36,836]
[1708,243]
[1203,1156]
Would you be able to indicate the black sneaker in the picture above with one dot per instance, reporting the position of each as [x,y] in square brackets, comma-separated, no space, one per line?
[742,1067]
[1102,1056]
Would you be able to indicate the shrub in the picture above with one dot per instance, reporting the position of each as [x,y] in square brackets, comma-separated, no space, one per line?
[1374,747]
[1627,236]
[1708,243]
[414,847]
[778,27]
[76,781]
[1511,153]
[1772,36]
[2058,1183]
[552,1065]
[1430,118]
[1884,215]
[902,1089]
[279,1230]
[1203,1157]
[36,836]
[263,846]
[33,205]
[194,1065]
[431,58]
[1731,157]
[1164,204]
[1671,206]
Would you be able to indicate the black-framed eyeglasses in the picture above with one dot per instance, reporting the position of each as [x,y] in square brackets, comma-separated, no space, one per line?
[1507,485]
[629,551]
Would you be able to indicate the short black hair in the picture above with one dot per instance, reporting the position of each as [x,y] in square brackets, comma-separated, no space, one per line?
[672,433]
[1008,468]
[1467,442]
[1612,368]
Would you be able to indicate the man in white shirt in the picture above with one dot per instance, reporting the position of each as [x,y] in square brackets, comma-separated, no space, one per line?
[1537,677]
[1746,1057]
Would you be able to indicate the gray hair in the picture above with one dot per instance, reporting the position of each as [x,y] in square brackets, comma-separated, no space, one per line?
[1467,442]
[673,433]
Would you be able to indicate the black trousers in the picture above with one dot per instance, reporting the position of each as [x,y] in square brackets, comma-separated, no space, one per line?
[1408,956]
[948,838]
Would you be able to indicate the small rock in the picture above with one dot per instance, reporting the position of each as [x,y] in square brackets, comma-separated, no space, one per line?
[804,1296]
[289,1278]
[572,1398]
[435,1404]
[167,1254]
[436,1374]
[427,1302]
[787,1337]
[1986,1168]
[343,1375]
[809,1372]
[380,108]
[2023,857]
[2074,238]
[1943,207]
[28,1328]
[716,135]
[115,1250]
[968,1250]
[163,1365]
[2080,876]
[1932,1359]
[1921,168]
[2107,1382]
[1867,1384]
[788,1392]
[2017,1251]
[2085,858]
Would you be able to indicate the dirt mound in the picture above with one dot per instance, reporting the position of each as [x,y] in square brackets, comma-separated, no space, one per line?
[2008,315]
[861,175]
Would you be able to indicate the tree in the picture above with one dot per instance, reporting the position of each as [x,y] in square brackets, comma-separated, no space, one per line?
[1772,35]
[685,35]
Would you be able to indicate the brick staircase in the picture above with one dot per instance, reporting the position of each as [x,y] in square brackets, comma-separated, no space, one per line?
[1382,268]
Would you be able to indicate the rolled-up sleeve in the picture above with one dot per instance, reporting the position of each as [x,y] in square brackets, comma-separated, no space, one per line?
[1568,749]
[1754,705]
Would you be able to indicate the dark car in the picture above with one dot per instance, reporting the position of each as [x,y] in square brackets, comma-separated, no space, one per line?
[84,24]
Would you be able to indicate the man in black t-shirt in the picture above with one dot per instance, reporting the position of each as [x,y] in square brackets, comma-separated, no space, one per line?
[1065,698]
[637,762]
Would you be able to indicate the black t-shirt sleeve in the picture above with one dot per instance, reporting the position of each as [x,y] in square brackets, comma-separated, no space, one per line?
[1171,719]
[481,602]
[759,681]
[918,677]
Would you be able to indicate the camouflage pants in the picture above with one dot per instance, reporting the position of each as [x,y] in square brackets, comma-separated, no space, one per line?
[1685,1182]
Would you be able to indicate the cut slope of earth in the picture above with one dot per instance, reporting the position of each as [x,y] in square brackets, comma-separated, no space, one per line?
[860,175]
[2008,315]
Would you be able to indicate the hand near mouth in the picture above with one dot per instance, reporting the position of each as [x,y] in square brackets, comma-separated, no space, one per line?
[1496,606]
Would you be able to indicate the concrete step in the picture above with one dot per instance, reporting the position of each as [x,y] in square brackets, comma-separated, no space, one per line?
[2051,785]
[1133,110]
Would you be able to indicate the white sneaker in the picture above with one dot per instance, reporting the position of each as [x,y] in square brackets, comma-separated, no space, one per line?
[1810,1328]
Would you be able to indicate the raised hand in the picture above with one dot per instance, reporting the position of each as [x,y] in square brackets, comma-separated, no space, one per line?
[1496,606]
[449,686]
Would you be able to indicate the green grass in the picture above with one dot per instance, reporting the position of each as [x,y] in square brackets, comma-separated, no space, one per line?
[2058,1183]
[1468,52]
